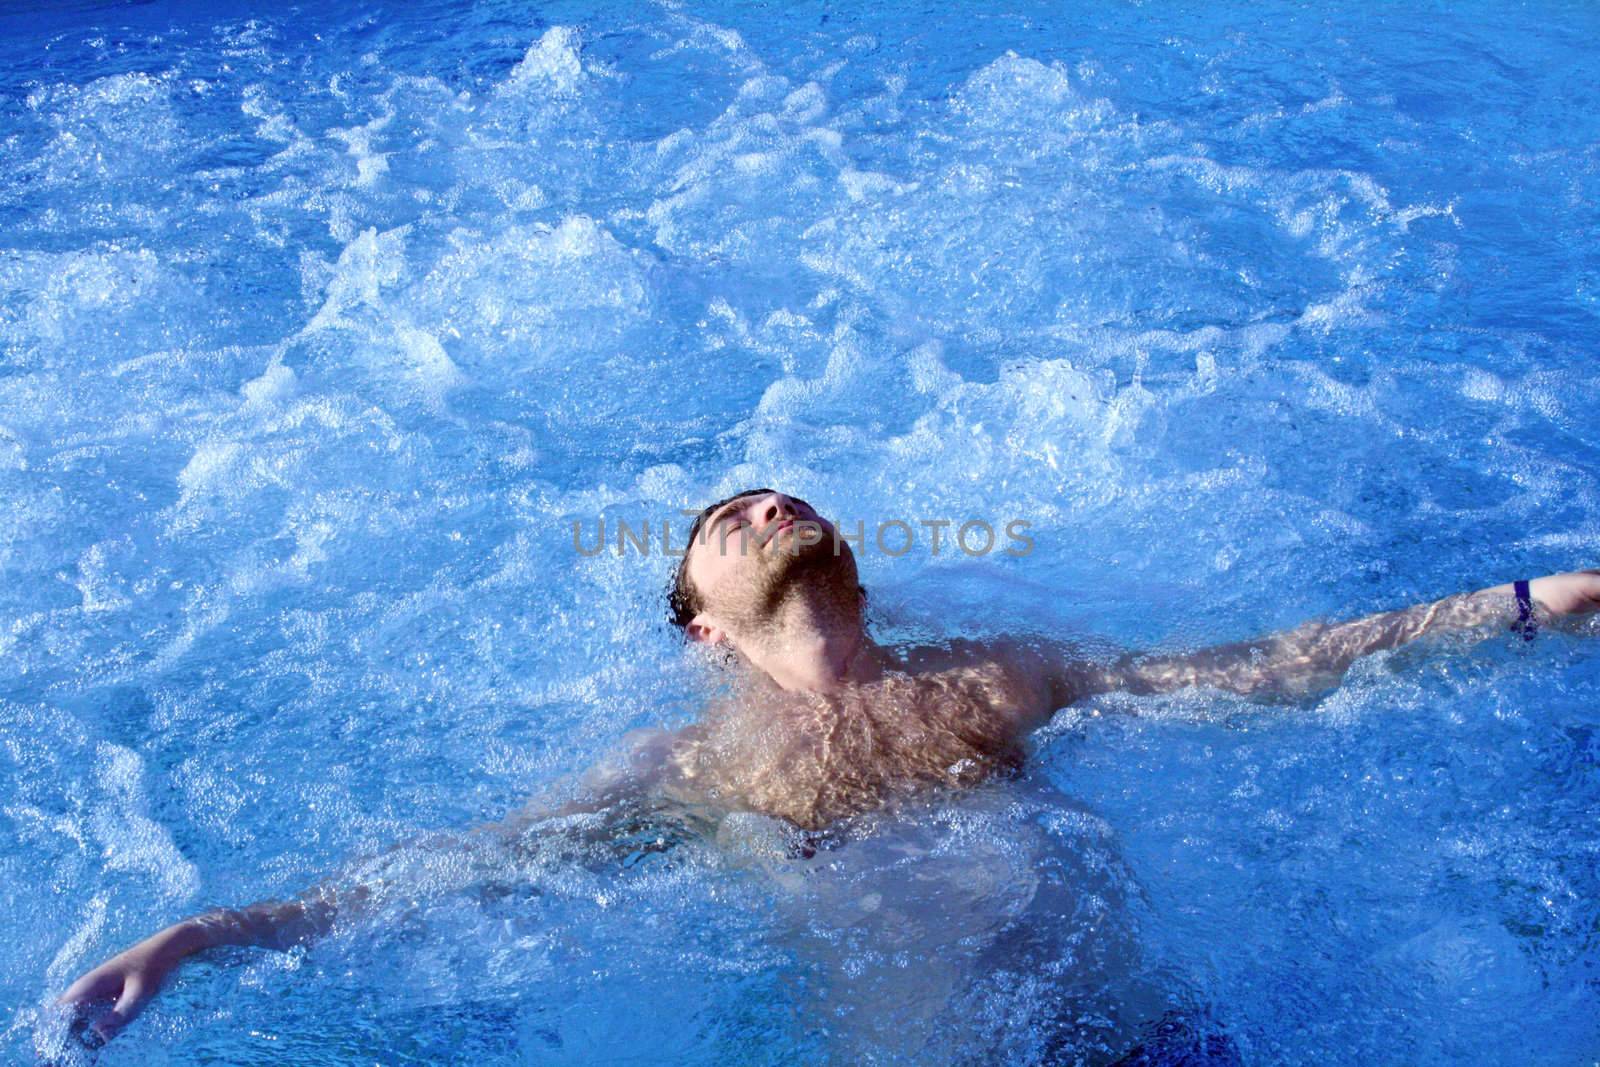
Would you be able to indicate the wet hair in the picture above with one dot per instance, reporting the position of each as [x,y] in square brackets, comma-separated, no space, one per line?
[683,599]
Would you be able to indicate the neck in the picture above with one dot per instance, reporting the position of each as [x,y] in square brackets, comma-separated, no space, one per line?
[813,646]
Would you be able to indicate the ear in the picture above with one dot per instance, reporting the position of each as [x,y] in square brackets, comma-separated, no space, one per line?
[706,630]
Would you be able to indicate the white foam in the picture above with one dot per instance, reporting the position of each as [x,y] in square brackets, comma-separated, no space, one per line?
[129,838]
[550,65]
[212,468]
[366,265]
[276,384]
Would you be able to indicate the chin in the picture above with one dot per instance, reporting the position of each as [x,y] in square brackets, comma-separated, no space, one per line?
[815,561]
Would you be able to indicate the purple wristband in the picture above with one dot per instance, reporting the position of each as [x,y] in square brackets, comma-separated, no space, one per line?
[1526,624]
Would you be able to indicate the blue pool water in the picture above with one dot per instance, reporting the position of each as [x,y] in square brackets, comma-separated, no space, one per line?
[320,328]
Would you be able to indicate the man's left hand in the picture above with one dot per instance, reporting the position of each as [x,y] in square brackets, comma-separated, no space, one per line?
[1573,593]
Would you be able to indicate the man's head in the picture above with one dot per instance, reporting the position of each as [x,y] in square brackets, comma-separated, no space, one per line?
[750,554]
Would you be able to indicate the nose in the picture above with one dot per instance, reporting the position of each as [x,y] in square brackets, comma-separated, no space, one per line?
[774,507]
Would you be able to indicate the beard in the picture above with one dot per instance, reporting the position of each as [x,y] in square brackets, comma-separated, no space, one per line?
[818,577]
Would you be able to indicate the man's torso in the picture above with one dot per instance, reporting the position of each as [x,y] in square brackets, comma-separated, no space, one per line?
[947,715]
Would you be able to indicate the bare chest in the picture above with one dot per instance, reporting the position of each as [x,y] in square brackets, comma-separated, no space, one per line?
[811,759]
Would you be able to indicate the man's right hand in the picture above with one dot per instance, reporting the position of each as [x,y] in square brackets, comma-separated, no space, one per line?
[131,978]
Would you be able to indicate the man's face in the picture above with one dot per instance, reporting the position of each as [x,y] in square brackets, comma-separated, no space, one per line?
[748,549]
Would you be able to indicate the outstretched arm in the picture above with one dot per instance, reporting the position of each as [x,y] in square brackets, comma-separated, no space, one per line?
[130,978]
[614,790]
[1312,657]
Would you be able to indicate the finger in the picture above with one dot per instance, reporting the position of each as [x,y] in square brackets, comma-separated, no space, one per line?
[134,995]
[106,1027]
[97,983]
[86,1035]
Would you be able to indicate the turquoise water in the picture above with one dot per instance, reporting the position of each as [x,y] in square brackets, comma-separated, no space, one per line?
[320,328]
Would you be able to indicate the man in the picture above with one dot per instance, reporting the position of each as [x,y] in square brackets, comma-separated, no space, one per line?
[822,723]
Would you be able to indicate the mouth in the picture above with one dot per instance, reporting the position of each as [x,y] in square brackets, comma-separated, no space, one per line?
[772,533]
[769,535]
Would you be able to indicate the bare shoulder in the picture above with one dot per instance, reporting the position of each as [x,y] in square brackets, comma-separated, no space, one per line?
[1057,670]
[633,766]
[1013,671]
[956,655]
